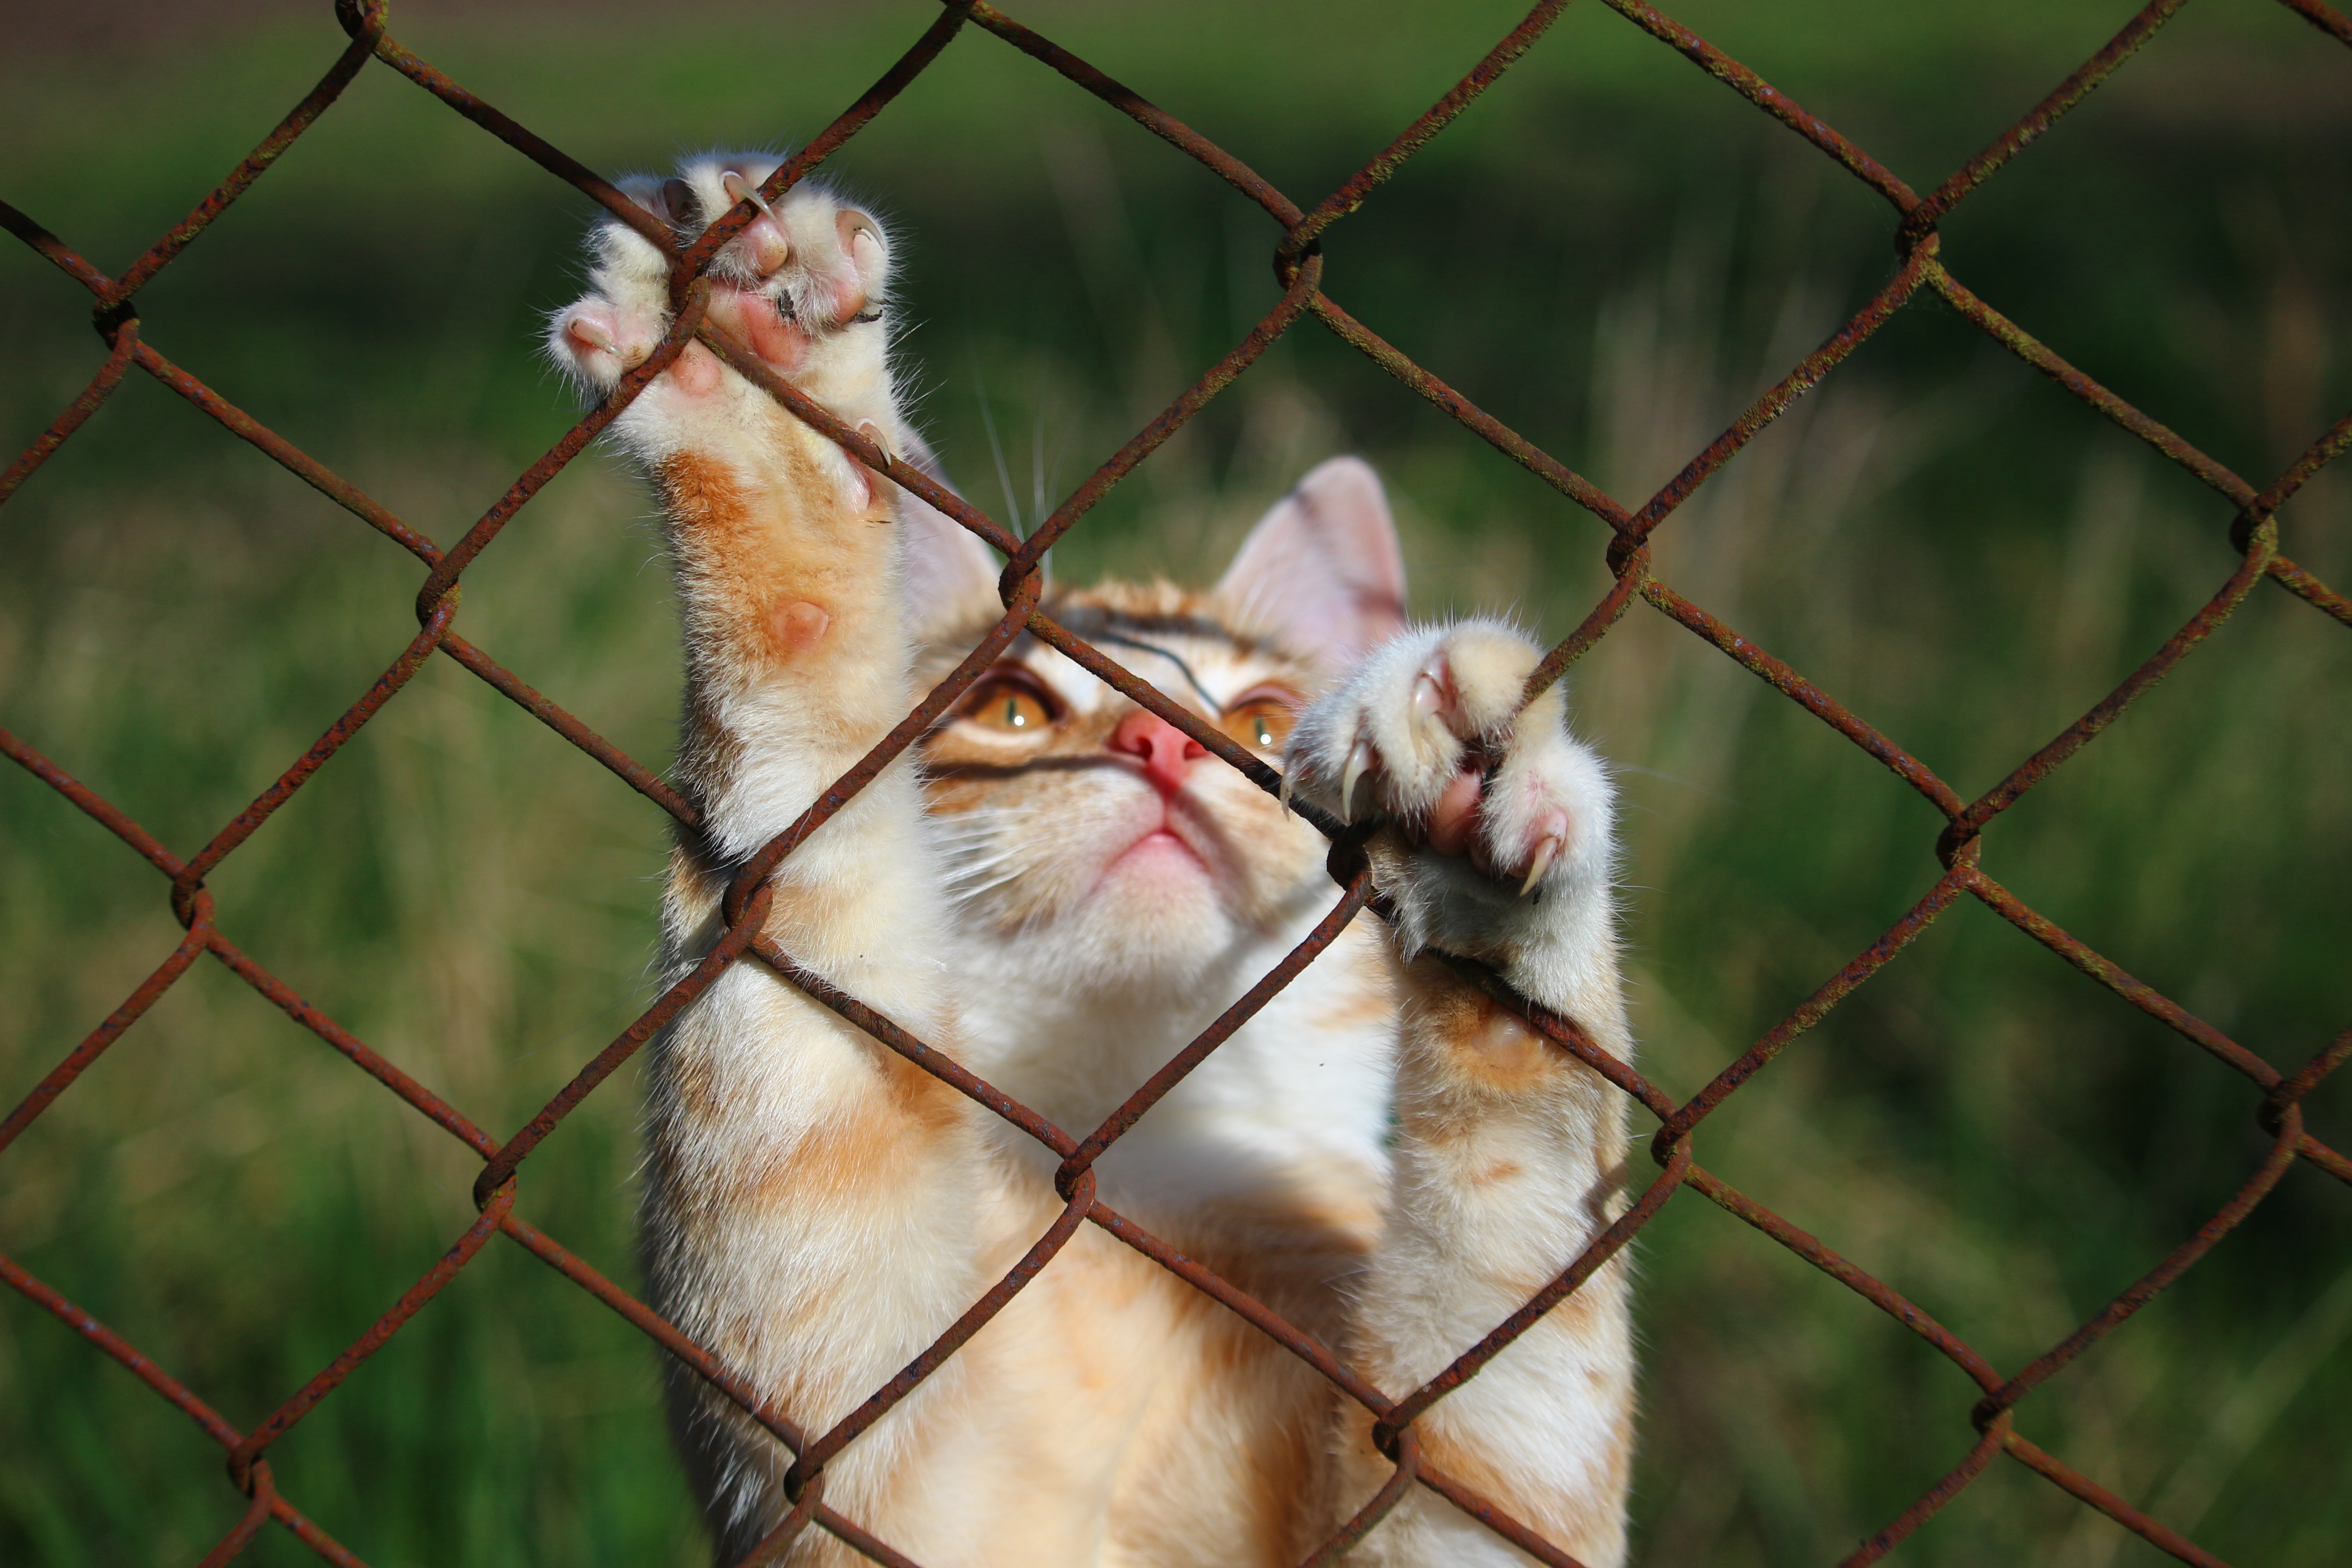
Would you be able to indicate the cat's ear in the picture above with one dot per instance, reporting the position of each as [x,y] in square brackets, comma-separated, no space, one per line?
[1322,570]
[949,574]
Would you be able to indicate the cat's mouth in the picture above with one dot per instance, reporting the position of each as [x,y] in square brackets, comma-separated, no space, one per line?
[1162,840]
[1163,850]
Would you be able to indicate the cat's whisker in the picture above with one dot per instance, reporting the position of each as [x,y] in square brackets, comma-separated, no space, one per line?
[979,857]
[965,866]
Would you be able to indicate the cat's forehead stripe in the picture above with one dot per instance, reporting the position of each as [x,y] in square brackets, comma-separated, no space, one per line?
[1090,619]
[1199,671]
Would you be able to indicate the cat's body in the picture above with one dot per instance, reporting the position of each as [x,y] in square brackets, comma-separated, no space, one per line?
[1060,894]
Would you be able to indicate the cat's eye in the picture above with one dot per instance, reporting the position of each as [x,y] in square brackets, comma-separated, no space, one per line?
[1262,721]
[1008,706]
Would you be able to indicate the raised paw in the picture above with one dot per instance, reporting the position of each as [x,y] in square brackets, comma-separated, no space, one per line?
[804,285]
[1429,735]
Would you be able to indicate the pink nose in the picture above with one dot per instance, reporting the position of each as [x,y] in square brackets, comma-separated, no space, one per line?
[1167,751]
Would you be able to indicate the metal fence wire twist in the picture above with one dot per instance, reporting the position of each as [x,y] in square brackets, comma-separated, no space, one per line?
[1298,261]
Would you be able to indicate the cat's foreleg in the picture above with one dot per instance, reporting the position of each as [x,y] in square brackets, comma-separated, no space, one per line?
[814,1210]
[1496,845]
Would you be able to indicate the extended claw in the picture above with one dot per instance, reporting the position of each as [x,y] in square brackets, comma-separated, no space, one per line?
[848,224]
[1428,698]
[590,336]
[1359,761]
[1545,852]
[739,189]
[1282,794]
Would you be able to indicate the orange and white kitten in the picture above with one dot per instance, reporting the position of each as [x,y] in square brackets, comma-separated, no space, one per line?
[1060,891]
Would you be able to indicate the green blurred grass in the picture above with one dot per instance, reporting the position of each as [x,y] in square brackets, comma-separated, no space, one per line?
[1609,252]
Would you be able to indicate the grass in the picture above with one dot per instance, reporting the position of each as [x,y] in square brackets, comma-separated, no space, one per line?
[1611,254]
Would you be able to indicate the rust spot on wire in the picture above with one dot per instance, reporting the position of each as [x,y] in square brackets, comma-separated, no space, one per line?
[2076,736]
[1376,1509]
[2065,96]
[102,386]
[54,251]
[2144,1289]
[315,474]
[1806,695]
[2029,349]
[99,809]
[1770,99]
[1795,384]
[2114,1507]
[1600,1250]
[1501,436]
[1812,1010]
[253,165]
[2324,17]
[306,1398]
[632,773]
[263,1489]
[1157,121]
[1215,379]
[1360,185]
[191,947]
[243,826]
[1931,1501]
[672,1002]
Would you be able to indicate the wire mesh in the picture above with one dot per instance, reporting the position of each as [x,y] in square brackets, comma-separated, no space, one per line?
[1298,264]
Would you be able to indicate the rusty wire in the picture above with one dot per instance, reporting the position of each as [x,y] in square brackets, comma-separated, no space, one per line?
[1298,264]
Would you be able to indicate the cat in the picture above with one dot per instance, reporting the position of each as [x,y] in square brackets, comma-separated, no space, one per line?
[1059,892]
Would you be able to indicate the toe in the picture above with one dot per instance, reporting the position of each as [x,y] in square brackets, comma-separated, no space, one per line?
[598,342]
[591,333]
[1487,665]
[763,244]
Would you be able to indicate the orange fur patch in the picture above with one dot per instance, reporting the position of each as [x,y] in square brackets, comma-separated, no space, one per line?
[772,567]
[1482,1042]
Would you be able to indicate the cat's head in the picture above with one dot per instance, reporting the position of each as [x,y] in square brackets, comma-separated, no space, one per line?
[1079,819]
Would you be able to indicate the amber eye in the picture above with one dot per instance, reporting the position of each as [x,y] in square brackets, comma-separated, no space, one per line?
[1010,707]
[1261,721]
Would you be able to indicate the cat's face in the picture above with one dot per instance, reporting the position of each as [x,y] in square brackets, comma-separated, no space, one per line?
[1072,814]
[1076,820]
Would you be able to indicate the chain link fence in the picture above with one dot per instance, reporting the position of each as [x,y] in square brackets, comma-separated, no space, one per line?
[1298,258]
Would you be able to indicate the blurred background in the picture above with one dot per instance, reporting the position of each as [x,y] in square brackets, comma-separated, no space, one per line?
[1612,253]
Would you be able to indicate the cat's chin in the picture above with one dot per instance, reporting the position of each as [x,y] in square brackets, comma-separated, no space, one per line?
[1160,885]
[1160,910]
